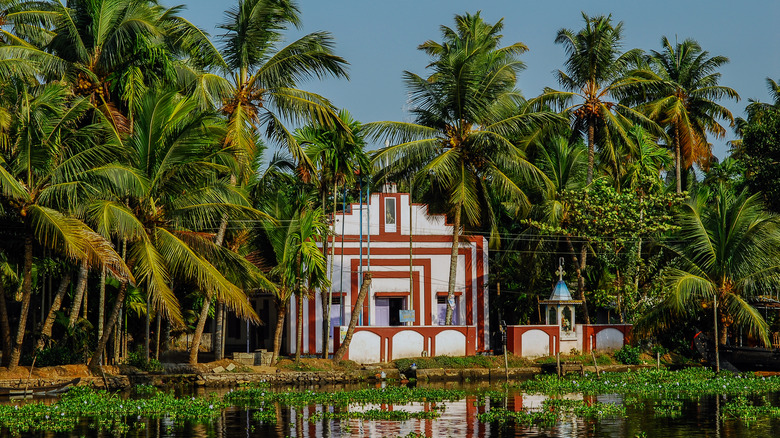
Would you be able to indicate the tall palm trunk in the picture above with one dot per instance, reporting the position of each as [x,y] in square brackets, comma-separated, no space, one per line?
[281,313]
[299,337]
[354,318]
[453,264]
[78,296]
[5,326]
[55,307]
[677,159]
[591,149]
[204,312]
[329,295]
[102,302]
[16,351]
[111,324]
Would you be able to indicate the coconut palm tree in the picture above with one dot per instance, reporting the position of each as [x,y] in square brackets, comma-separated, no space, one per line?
[51,163]
[337,155]
[594,83]
[180,189]
[727,252]
[255,78]
[467,117]
[297,264]
[683,97]
[108,51]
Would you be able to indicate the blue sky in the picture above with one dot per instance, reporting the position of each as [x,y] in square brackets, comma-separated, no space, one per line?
[379,40]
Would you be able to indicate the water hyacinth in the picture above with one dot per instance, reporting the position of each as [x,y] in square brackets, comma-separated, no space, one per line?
[692,381]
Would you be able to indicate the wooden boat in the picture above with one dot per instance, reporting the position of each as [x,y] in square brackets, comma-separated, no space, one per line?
[20,390]
[735,358]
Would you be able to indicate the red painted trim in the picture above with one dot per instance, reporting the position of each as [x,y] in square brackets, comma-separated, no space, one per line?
[591,330]
[391,294]
[428,333]
[424,263]
[469,293]
[428,238]
[445,293]
[514,337]
[480,295]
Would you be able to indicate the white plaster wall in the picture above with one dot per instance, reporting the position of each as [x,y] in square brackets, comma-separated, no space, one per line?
[406,343]
[609,339]
[570,344]
[450,343]
[535,343]
[364,347]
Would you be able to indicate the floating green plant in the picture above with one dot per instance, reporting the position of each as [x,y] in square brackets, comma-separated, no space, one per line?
[695,381]
[552,411]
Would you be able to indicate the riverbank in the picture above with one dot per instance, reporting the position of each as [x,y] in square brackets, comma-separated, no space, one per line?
[309,372]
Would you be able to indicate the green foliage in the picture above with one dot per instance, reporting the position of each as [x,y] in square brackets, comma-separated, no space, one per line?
[137,359]
[56,354]
[686,382]
[760,151]
[554,410]
[629,355]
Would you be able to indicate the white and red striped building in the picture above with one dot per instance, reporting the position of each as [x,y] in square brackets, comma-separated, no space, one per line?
[377,238]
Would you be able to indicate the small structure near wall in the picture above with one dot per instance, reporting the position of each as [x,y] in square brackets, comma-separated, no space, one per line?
[561,333]
[559,310]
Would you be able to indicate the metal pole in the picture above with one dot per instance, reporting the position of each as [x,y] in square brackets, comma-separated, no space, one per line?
[360,263]
[343,222]
[715,318]
[368,238]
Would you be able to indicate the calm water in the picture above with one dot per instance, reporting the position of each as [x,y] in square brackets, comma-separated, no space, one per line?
[700,418]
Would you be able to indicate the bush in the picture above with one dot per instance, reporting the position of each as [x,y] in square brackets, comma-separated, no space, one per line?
[57,354]
[137,359]
[628,355]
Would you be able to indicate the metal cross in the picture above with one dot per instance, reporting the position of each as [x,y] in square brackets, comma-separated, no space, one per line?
[560,270]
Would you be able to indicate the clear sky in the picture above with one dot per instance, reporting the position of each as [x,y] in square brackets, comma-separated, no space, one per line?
[379,40]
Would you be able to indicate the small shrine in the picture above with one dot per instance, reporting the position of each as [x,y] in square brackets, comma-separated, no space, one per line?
[559,308]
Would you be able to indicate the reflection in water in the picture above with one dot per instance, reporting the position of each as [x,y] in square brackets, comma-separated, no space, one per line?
[700,418]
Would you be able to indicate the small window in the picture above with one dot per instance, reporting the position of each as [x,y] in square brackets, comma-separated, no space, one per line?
[390,211]
[441,307]
[552,318]
[390,216]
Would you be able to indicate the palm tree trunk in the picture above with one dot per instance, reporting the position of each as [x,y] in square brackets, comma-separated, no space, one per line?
[591,149]
[81,286]
[677,159]
[55,307]
[16,351]
[102,302]
[453,265]
[281,313]
[204,312]
[195,347]
[111,324]
[219,329]
[6,327]
[326,308]
[299,335]
[354,318]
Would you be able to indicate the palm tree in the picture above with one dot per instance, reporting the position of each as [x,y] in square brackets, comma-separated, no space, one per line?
[179,190]
[683,94]
[108,51]
[466,118]
[727,252]
[295,256]
[51,162]
[596,71]
[337,156]
[258,86]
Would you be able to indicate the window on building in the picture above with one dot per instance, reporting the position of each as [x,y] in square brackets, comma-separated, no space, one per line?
[552,318]
[335,312]
[441,308]
[390,216]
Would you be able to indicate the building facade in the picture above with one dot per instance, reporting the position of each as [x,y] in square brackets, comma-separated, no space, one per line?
[407,250]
